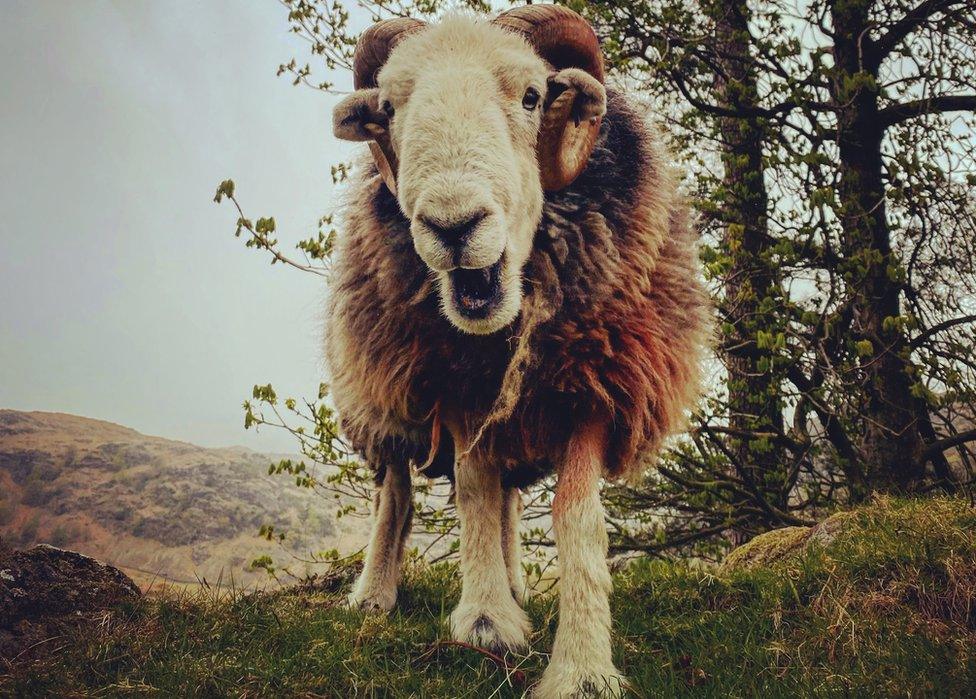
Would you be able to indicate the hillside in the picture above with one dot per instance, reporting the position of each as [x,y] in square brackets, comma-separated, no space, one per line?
[153,507]
[885,608]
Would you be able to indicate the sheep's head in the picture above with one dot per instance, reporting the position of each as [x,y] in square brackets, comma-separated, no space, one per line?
[469,121]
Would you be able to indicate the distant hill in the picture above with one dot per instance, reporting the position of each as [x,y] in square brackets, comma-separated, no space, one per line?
[154,507]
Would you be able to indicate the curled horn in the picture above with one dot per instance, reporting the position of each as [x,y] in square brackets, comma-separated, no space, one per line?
[372,50]
[374,46]
[565,40]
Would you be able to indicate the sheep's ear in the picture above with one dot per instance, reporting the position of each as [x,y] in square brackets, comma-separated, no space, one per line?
[575,105]
[359,118]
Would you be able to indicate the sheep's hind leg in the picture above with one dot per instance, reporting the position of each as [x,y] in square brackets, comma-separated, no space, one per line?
[512,542]
[581,662]
[376,588]
[487,615]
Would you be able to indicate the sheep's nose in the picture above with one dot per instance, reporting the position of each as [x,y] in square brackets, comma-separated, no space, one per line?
[454,233]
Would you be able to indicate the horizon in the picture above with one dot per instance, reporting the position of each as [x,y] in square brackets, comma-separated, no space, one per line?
[88,418]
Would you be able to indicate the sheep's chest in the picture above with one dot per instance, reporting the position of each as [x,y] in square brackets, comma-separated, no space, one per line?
[464,371]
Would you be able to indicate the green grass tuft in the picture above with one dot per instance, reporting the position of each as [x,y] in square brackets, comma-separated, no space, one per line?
[886,609]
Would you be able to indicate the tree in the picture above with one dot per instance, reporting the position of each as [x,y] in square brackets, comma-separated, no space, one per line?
[752,286]
[896,417]
[826,93]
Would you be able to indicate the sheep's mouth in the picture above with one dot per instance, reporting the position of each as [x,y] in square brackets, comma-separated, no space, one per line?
[477,291]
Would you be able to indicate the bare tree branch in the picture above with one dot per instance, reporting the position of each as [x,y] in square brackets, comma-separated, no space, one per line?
[918,341]
[898,113]
[949,442]
[915,18]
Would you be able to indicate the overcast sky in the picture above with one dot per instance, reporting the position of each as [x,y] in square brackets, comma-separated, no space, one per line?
[123,293]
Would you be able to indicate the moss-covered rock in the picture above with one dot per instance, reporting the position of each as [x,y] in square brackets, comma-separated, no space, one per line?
[43,587]
[767,548]
[788,543]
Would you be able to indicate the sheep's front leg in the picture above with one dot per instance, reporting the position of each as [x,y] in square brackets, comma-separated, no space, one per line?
[376,588]
[512,542]
[487,615]
[581,662]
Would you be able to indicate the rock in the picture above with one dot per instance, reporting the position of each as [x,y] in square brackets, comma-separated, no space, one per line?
[767,548]
[45,586]
[781,545]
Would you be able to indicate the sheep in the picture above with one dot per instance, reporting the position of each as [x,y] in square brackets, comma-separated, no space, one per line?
[515,293]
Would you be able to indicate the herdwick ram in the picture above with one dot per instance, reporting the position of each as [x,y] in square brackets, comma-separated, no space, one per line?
[515,293]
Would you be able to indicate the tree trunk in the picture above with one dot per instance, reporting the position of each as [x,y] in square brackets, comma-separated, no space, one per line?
[891,443]
[753,385]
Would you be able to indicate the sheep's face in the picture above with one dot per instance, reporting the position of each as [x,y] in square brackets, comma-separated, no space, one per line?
[466,100]
[460,105]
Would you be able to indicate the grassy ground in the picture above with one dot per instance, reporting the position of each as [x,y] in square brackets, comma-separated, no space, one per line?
[887,609]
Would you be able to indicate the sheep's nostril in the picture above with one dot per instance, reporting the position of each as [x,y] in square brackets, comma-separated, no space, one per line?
[454,233]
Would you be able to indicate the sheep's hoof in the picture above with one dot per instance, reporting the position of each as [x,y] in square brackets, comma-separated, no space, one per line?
[372,600]
[563,681]
[497,627]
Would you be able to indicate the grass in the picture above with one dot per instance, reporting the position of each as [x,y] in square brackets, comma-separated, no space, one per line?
[886,609]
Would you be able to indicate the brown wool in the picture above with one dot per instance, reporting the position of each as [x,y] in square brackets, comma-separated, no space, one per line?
[613,325]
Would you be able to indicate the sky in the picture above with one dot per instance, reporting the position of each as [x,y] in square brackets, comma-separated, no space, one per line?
[124,295]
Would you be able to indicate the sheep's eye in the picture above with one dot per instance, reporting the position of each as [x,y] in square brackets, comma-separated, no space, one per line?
[388,108]
[530,100]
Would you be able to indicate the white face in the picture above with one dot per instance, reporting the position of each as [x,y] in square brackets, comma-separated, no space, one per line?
[466,103]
